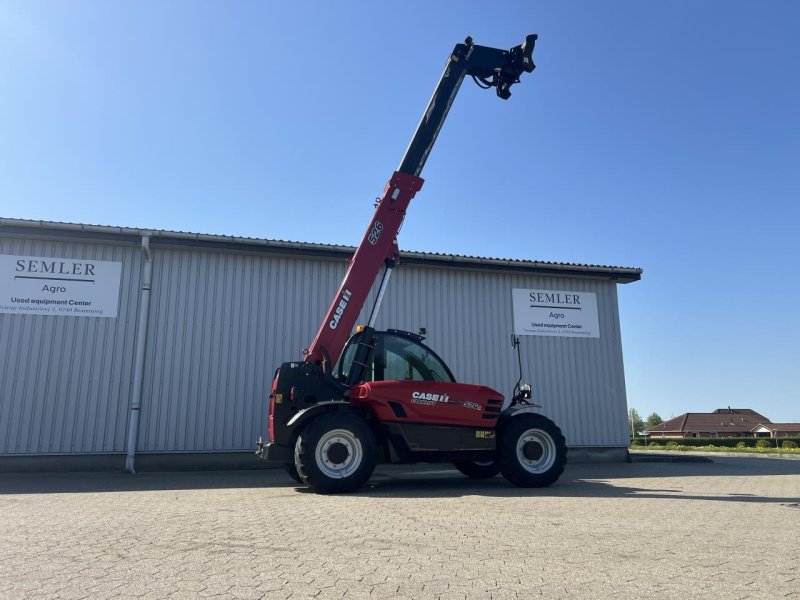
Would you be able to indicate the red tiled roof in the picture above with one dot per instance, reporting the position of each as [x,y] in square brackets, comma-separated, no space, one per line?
[790,427]
[744,411]
[722,420]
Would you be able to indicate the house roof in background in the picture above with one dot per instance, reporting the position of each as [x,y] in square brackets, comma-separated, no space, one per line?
[722,420]
[783,427]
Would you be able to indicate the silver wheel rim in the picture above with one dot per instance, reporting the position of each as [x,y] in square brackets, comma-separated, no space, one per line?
[354,454]
[542,464]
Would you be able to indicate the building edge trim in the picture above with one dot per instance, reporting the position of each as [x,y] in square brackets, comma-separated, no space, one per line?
[168,239]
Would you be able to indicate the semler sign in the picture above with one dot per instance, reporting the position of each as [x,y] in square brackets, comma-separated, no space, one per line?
[66,287]
[555,313]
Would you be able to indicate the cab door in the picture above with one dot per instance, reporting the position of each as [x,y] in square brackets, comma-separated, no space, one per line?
[409,382]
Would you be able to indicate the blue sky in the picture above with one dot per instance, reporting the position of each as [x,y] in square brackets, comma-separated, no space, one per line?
[659,135]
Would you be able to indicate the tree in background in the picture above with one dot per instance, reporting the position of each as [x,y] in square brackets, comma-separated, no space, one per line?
[653,420]
[635,422]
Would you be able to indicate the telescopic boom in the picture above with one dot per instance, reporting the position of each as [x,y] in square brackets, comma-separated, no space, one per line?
[489,67]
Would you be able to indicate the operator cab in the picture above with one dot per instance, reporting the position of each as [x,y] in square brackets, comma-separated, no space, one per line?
[398,356]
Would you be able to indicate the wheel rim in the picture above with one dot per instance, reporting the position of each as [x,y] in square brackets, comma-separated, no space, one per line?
[536,451]
[339,453]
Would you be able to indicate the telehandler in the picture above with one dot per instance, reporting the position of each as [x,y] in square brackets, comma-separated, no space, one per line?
[384,396]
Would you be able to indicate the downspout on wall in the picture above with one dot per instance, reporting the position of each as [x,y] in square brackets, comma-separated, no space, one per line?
[141,346]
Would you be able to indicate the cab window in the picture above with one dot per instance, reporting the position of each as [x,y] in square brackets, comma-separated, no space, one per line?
[405,358]
[397,357]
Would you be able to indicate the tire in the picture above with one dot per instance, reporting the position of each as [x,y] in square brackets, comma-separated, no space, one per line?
[291,471]
[532,451]
[478,469]
[335,453]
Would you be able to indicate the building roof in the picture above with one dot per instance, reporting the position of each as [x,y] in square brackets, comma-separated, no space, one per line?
[722,420]
[25,227]
[782,427]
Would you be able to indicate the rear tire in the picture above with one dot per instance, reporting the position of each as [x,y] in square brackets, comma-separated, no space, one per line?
[335,453]
[478,469]
[532,451]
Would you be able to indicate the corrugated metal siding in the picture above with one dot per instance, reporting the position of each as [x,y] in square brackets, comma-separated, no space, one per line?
[65,382]
[221,322]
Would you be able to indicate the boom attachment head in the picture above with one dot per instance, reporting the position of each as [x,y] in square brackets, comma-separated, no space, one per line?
[500,69]
[488,67]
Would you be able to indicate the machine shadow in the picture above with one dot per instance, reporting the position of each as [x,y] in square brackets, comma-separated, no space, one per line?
[577,489]
[599,480]
[578,481]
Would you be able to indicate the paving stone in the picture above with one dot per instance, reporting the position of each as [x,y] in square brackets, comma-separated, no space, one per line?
[726,529]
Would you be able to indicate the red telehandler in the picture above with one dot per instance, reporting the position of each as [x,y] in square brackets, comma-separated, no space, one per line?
[384,395]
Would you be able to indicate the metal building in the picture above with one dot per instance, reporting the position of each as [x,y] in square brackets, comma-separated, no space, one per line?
[196,351]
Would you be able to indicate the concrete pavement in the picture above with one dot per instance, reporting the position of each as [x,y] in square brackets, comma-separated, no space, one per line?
[727,529]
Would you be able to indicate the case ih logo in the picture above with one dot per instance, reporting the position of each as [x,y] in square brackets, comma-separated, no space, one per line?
[375,233]
[429,399]
[337,314]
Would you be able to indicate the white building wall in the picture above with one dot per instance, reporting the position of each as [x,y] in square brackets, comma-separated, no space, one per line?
[221,321]
[65,382]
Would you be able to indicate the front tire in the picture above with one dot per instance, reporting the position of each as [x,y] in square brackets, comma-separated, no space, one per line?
[478,469]
[335,453]
[532,451]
